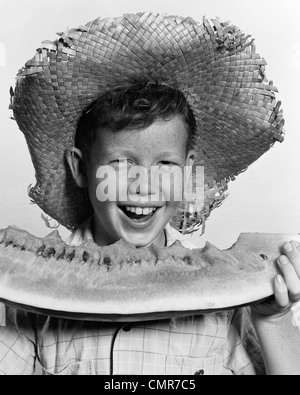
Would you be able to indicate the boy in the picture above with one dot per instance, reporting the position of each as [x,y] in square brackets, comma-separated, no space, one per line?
[149,123]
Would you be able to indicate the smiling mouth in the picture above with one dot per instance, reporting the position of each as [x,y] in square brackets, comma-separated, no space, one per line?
[138,218]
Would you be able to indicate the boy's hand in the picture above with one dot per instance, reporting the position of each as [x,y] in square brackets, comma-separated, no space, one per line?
[287,286]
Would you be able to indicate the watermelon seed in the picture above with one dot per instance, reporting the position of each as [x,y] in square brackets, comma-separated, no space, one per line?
[40,251]
[264,257]
[188,260]
[9,244]
[85,256]
[49,252]
[70,256]
[107,262]
[62,255]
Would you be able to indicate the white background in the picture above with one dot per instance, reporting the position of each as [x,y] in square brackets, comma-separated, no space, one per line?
[264,199]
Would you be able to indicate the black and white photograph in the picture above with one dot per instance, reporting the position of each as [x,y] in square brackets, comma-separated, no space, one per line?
[150,194]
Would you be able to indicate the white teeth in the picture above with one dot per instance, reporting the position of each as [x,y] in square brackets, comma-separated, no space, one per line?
[141,211]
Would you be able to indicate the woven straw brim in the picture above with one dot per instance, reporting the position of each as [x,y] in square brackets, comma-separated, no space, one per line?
[213,63]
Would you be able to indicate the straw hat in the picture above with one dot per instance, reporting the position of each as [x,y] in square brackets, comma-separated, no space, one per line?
[213,63]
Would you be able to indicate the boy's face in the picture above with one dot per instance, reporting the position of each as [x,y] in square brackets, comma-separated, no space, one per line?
[129,200]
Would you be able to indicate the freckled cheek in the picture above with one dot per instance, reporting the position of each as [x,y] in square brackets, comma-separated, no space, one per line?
[108,188]
[172,188]
[172,193]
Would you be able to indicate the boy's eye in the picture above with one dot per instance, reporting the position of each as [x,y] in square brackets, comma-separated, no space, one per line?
[124,162]
[121,162]
[167,163]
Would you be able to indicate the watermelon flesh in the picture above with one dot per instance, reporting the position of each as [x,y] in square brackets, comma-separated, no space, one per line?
[121,283]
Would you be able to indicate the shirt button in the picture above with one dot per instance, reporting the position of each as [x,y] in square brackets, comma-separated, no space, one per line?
[199,373]
[127,328]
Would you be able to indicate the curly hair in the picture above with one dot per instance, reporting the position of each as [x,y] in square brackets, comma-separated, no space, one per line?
[132,106]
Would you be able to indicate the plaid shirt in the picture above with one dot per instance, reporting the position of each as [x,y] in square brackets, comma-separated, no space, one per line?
[214,344]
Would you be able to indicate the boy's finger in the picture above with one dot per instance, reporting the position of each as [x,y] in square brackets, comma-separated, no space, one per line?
[281,292]
[296,244]
[293,253]
[290,276]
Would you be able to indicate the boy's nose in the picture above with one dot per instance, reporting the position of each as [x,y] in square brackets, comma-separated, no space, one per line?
[145,184]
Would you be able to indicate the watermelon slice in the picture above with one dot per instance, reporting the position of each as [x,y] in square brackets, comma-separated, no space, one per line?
[121,283]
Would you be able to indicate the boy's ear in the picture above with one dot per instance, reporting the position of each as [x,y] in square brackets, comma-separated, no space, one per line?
[191,157]
[77,167]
